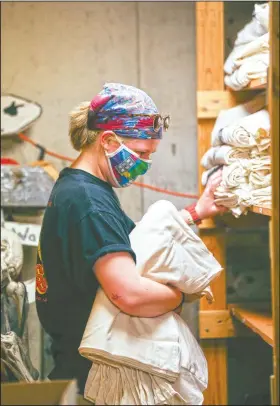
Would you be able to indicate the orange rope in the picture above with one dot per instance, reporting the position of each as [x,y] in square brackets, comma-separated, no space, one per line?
[139,184]
[54,154]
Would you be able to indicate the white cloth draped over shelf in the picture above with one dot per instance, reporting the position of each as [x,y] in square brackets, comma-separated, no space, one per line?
[151,360]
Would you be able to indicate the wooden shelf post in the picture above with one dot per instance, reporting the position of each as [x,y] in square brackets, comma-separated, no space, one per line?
[274,107]
[210,62]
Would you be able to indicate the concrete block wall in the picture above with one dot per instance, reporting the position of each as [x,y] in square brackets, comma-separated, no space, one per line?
[59,54]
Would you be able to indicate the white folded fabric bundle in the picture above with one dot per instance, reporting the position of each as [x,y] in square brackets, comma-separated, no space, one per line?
[151,360]
[225,197]
[251,68]
[232,116]
[260,172]
[257,49]
[245,132]
[236,199]
[236,174]
[255,28]
[262,197]
[261,149]
[261,163]
[260,179]
[223,155]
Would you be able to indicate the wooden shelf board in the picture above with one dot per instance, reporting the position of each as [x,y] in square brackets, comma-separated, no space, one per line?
[259,321]
[260,210]
[257,84]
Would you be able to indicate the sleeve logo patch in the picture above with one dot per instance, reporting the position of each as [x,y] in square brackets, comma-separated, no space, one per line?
[41,281]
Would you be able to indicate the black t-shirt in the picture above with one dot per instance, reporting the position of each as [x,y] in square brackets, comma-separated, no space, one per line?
[83,221]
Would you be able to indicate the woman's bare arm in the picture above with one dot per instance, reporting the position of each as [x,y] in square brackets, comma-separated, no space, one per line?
[132,293]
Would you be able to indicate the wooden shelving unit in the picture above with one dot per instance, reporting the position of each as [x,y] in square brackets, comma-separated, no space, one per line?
[261,210]
[260,322]
[257,84]
[221,321]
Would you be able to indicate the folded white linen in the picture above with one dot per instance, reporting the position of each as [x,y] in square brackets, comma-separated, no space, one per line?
[236,199]
[255,28]
[225,197]
[262,197]
[245,132]
[236,174]
[260,172]
[260,179]
[163,348]
[233,115]
[223,155]
[251,68]
[257,49]
[261,163]
[261,149]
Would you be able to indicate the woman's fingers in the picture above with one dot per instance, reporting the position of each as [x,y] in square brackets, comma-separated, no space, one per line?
[216,178]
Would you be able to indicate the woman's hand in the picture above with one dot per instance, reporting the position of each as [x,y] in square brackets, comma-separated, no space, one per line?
[206,206]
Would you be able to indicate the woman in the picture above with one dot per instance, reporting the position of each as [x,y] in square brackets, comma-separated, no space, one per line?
[84,241]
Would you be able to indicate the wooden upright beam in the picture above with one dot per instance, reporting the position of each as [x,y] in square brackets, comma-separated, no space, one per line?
[274,107]
[210,77]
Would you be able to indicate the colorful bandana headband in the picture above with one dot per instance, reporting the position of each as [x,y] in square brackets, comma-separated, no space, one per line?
[127,111]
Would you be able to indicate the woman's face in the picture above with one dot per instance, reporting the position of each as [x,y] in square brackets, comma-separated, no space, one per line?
[142,147]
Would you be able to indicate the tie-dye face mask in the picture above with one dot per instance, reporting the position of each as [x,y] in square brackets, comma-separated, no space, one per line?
[125,165]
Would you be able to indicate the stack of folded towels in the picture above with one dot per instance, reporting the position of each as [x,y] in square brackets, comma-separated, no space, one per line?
[249,58]
[152,361]
[241,146]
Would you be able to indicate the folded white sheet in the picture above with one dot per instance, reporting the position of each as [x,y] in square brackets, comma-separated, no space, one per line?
[236,174]
[245,132]
[262,197]
[236,199]
[260,172]
[223,155]
[159,355]
[260,179]
[255,28]
[257,49]
[261,163]
[250,68]
[261,149]
[233,115]
[226,197]
[233,175]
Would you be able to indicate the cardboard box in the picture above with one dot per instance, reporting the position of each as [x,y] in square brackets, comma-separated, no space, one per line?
[39,393]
